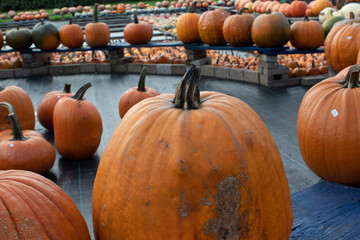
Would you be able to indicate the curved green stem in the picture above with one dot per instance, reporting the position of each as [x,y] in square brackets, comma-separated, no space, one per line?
[352,77]
[141,84]
[67,88]
[187,95]
[15,124]
[79,95]
[242,10]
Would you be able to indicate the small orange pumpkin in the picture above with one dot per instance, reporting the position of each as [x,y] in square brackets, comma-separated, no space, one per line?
[135,94]
[97,34]
[138,32]
[187,26]
[71,35]
[24,150]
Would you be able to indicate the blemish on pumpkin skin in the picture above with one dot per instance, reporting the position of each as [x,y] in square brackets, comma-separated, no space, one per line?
[225,224]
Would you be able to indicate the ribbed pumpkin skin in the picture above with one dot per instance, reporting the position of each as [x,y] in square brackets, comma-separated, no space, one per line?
[77,128]
[340,45]
[46,107]
[237,30]
[71,36]
[211,27]
[167,173]
[307,35]
[46,36]
[187,28]
[138,33]
[97,34]
[330,145]
[270,30]
[22,103]
[19,38]
[132,96]
[33,207]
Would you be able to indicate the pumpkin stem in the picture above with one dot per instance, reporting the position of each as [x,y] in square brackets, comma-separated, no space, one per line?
[352,77]
[306,18]
[80,93]
[242,10]
[15,124]
[352,15]
[141,84]
[70,21]
[268,11]
[136,20]
[96,19]
[67,88]
[192,7]
[187,95]
[2,87]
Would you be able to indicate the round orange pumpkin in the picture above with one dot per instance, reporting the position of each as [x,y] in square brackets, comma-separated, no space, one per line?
[328,129]
[187,26]
[270,30]
[23,105]
[191,166]
[211,27]
[307,34]
[97,34]
[26,150]
[135,94]
[77,126]
[138,32]
[319,5]
[297,8]
[34,207]
[340,45]
[46,106]
[237,27]
[71,35]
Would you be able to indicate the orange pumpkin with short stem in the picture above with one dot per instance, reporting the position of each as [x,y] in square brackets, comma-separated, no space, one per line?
[204,163]
[237,27]
[319,5]
[97,34]
[328,127]
[71,35]
[77,126]
[270,30]
[340,45]
[297,8]
[187,26]
[135,94]
[23,105]
[307,34]
[34,207]
[26,150]
[211,26]
[46,106]
[138,32]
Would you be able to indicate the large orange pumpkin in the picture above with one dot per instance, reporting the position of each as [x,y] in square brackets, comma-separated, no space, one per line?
[135,94]
[307,34]
[187,28]
[97,34]
[270,30]
[138,32]
[77,126]
[34,207]
[237,28]
[46,106]
[342,45]
[24,150]
[328,127]
[71,35]
[23,105]
[210,26]
[191,166]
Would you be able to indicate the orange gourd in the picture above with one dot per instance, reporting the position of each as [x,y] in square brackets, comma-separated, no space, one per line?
[191,160]
[77,126]
[135,94]
[24,150]
[46,106]
[23,105]
[237,27]
[319,5]
[138,32]
[71,35]
[328,127]
[97,34]
[187,26]
[210,27]
[34,207]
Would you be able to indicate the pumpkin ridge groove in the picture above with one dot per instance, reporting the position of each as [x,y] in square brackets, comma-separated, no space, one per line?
[10,214]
